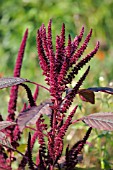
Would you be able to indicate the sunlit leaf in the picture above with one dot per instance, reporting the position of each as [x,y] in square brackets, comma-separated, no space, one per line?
[87,95]
[30,116]
[4,124]
[21,147]
[102,121]
[10,81]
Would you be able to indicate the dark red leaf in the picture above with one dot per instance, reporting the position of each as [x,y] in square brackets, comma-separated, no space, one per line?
[87,95]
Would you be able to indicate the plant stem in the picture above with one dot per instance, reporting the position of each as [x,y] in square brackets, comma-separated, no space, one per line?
[38,85]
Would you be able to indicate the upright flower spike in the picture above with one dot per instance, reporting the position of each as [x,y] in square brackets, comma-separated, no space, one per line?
[42,56]
[53,75]
[80,36]
[69,47]
[59,138]
[80,64]
[70,96]
[62,38]
[76,41]
[49,37]
[58,57]
[62,42]
[60,49]
[19,60]
[81,50]
[17,69]
[40,128]
[44,40]
[66,61]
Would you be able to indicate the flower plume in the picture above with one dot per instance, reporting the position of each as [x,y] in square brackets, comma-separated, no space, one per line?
[60,67]
[50,119]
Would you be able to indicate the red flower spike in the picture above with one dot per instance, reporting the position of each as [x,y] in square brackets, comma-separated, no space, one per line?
[81,50]
[69,47]
[20,55]
[76,41]
[59,138]
[49,38]
[80,64]
[62,39]
[58,57]
[41,54]
[62,35]
[65,64]
[70,96]
[44,40]
[81,34]
[85,60]
[53,77]
[60,49]
[17,69]
[40,128]
[63,70]
[52,74]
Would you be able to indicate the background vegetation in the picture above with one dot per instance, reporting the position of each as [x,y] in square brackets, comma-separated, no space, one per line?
[17,15]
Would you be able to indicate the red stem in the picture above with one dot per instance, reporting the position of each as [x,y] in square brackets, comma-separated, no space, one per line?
[75,121]
[38,85]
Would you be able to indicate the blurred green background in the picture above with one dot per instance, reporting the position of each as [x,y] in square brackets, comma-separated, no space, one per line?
[17,15]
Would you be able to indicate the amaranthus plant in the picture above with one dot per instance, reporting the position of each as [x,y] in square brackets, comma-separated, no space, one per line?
[59,67]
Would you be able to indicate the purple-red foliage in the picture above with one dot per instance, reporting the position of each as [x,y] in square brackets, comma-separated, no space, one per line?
[59,68]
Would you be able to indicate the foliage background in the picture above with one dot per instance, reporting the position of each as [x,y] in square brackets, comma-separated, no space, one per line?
[17,15]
